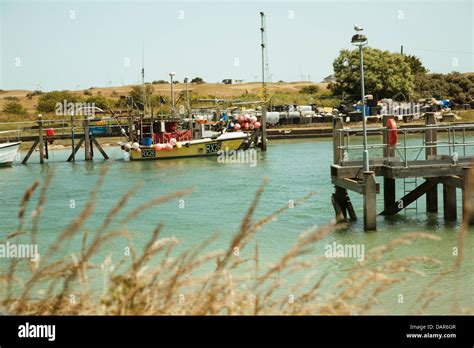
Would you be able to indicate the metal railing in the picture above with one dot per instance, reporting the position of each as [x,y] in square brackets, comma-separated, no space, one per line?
[454,138]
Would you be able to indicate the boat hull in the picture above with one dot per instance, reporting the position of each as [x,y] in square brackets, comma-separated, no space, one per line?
[190,149]
[8,152]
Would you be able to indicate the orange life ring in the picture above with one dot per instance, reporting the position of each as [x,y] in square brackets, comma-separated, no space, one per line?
[392,133]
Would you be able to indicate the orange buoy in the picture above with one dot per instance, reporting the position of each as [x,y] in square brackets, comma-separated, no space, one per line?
[391,133]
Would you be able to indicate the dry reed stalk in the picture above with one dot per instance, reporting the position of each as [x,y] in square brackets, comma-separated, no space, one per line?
[236,286]
[39,207]
[21,214]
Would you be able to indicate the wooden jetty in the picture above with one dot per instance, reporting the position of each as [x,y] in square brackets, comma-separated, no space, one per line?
[41,141]
[42,133]
[433,170]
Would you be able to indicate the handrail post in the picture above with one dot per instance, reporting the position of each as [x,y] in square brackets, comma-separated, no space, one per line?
[430,135]
[431,152]
[337,140]
[87,141]
[405,147]
[388,151]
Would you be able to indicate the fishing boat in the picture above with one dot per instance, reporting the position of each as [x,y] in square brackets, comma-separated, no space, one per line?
[191,148]
[8,152]
[189,134]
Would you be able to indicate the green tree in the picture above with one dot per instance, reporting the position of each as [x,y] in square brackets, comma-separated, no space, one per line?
[455,86]
[14,108]
[197,80]
[47,101]
[100,102]
[137,93]
[416,65]
[310,89]
[386,74]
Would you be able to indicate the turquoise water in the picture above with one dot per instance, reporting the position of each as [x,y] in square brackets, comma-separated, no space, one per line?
[222,194]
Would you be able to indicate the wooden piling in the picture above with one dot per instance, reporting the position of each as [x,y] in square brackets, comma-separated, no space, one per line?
[40,138]
[46,152]
[370,201]
[87,142]
[449,202]
[101,150]
[337,140]
[430,153]
[30,151]
[338,209]
[389,191]
[74,151]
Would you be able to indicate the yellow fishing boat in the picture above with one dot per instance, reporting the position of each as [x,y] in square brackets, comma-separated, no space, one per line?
[191,148]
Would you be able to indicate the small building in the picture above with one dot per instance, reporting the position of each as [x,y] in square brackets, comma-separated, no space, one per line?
[329,79]
[227,81]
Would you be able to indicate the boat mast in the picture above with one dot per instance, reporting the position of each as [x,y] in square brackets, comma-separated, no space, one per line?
[263,44]
[264,85]
[143,80]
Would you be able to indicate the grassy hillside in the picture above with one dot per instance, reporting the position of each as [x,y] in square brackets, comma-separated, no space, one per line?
[282,93]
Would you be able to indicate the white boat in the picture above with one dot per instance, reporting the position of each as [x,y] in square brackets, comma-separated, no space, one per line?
[8,153]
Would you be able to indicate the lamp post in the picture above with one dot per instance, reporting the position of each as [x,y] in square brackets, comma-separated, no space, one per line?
[186,79]
[360,40]
[172,92]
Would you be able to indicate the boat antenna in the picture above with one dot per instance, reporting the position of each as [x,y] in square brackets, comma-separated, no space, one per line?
[143,79]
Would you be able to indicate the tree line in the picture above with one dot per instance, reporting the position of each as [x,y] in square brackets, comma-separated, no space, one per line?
[393,75]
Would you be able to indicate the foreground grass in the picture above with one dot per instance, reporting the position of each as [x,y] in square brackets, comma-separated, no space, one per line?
[156,280]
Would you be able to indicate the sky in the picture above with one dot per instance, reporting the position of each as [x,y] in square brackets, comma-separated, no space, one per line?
[54,45]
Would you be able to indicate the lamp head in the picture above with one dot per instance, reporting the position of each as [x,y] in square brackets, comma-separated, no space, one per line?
[359,39]
[172,74]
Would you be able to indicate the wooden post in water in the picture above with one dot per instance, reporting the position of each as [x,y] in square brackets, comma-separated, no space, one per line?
[264,127]
[30,151]
[40,138]
[389,188]
[370,201]
[87,142]
[430,152]
[449,202]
